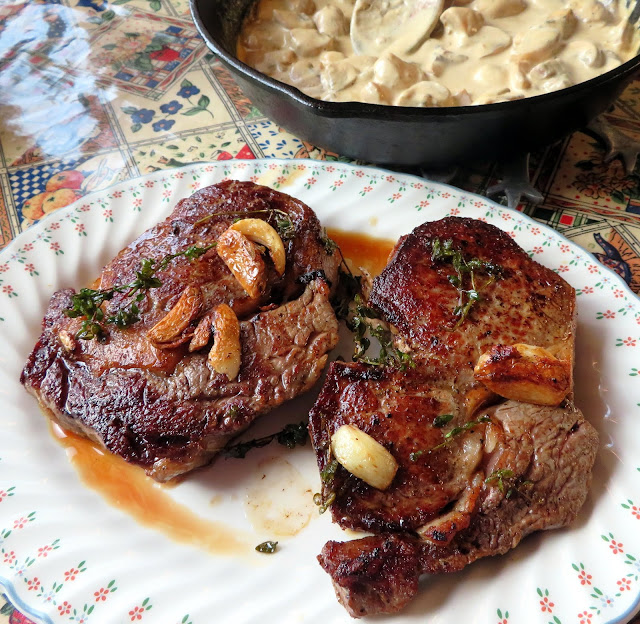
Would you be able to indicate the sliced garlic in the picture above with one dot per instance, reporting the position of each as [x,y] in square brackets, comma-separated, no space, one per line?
[244,260]
[363,456]
[225,355]
[261,232]
[186,309]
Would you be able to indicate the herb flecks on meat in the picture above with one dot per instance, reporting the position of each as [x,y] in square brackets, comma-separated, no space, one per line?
[450,435]
[328,496]
[467,275]
[365,322]
[282,221]
[87,303]
[291,436]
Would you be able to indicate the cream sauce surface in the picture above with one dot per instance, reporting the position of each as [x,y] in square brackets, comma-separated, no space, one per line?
[479,52]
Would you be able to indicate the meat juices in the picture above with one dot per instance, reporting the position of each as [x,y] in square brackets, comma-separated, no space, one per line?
[149,392]
[478,468]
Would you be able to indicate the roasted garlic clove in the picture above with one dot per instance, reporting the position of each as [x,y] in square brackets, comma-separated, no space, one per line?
[525,373]
[166,331]
[225,355]
[261,232]
[363,456]
[244,261]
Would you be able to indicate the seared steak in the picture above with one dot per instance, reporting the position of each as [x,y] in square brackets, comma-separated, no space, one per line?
[478,468]
[162,405]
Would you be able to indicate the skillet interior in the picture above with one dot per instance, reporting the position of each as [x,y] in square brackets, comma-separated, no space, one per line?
[391,135]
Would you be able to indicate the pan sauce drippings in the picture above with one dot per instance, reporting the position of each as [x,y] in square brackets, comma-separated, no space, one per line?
[485,51]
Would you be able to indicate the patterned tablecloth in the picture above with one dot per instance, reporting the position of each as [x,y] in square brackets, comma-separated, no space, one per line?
[92,92]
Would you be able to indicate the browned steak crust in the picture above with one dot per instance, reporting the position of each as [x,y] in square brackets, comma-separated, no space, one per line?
[166,409]
[493,470]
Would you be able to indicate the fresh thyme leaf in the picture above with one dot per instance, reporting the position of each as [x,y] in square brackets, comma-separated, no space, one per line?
[450,435]
[291,436]
[466,278]
[328,473]
[360,325]
[281,220]
[324,504]
[268,547]
[87,303]
[441,420]
[498,477]
[284,225]
[328,243]
[349,285]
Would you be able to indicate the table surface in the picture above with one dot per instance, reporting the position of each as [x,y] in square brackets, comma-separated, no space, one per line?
[92,92]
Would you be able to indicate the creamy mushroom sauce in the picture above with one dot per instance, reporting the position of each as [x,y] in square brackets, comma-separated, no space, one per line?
[480,52]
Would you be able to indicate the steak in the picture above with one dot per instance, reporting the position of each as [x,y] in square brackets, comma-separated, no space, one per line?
[163,406]
[488,443]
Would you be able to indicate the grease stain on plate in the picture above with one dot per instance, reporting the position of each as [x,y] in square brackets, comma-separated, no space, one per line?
[279,502]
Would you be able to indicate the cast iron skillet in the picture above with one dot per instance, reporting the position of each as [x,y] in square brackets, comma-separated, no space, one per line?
[392,135]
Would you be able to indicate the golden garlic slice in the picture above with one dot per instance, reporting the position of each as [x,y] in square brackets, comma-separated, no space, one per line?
[186,309]
[525,373]
[225,355]
[261,232]
[363,456]
[244,260]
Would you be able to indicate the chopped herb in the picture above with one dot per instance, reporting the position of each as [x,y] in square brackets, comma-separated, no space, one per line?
[468,289]
[450,435]
[328,243]
[324,504]
[349,285]
[87,303]
[442,420]
[282,221]
[504,479]
[290,436]
[360,324]
[498,477]
[267,547]
[328,473]
[328,496]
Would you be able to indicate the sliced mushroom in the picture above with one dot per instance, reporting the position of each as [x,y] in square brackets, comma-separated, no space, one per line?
[244,260]
[225,356]
[363,456]
[525,373]
[425,93]
[500,8]
[168,332]
[461,21]
[261,232]
[536,45]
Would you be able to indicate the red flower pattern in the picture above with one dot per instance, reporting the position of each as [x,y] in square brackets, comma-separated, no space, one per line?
[44,551]
[609,314]
[585,579]
[546,605]
[33,583]
[64,608]
[624,584]
[617,547]
[136,613]
[584,617]
[71,574]
[101,594]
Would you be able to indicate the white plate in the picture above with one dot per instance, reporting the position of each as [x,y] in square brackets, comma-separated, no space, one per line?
[51,524]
